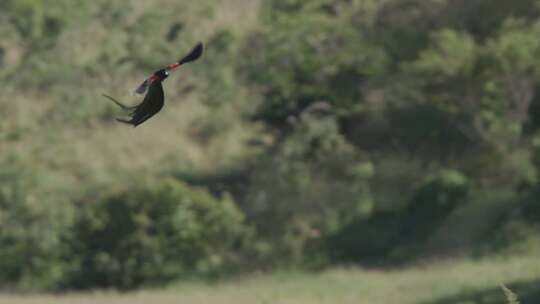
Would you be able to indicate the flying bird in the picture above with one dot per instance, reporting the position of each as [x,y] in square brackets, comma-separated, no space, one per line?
[154,99]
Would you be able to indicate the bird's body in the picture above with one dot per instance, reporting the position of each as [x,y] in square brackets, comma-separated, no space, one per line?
[152,103]
[155,98]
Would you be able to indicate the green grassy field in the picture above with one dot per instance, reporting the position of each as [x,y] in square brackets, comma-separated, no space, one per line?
[460,281]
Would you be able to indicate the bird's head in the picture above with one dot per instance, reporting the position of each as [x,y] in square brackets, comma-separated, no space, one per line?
[161,74]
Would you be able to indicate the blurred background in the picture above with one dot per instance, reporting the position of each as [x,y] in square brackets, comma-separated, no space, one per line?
[345,151]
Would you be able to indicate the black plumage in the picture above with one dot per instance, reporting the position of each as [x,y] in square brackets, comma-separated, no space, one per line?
[154,99]
[152,103]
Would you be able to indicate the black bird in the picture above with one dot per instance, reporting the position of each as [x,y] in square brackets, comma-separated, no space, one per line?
[154,99]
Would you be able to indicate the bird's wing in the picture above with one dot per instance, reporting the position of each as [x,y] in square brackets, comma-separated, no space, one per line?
[142,87]
[193,55]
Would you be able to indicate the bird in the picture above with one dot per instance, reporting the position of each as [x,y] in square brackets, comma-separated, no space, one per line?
[155,98]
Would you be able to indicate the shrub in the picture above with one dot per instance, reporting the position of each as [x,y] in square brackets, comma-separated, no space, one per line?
[437,196]
[366,240]
[395,235]
[36,215]
[309,185]
[152,234]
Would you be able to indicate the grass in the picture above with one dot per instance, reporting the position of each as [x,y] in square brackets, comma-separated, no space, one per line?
[67,127]
[459,281]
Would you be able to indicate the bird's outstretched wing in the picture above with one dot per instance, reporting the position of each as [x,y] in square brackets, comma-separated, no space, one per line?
[193,55]
[152,103]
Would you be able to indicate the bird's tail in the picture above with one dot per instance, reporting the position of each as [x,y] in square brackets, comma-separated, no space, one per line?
[123,106]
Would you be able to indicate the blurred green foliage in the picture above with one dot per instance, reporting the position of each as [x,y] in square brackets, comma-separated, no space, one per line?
[318,132]
[394,236]
[311,184]
[152,234]
[36,214]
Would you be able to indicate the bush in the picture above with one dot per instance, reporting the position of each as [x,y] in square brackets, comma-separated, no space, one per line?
[151,235]
[366,240]
[304,55]
[307,186]
[36,215]
[396,235]
[437,196]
